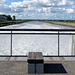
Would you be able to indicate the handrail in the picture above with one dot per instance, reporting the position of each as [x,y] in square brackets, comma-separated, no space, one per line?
[58,33]
[37,29]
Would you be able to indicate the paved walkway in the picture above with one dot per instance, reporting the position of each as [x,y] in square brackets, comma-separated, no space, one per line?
[53,66]
[45,58]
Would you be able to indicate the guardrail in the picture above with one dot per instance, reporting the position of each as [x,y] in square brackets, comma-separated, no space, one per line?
[59,32]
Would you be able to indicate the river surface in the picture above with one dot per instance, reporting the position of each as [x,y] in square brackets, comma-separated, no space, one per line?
[22,44]
[35,25]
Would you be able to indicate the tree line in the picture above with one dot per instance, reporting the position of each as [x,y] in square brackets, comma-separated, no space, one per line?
[8,17]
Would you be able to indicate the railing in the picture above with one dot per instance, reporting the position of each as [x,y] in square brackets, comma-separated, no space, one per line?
[45,32]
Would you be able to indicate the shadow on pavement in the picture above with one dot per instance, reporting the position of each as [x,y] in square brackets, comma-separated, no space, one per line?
[54,68]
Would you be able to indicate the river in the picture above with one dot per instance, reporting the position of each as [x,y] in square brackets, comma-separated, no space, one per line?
[35,25]
[22,44]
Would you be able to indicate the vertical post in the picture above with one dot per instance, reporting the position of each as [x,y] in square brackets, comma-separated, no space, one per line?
[11,42]
[58,43]
[73,45]
[70,44]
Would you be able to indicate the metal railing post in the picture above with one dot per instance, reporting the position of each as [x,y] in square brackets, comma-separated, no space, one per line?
[58,43]
[11,42]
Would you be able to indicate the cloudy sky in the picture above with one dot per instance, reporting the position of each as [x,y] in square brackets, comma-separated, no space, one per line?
[39,9]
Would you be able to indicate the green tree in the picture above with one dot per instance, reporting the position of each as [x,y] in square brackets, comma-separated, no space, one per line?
[14,18]
[8,17]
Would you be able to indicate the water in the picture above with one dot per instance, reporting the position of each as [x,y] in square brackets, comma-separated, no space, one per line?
[22,44]
[35,25]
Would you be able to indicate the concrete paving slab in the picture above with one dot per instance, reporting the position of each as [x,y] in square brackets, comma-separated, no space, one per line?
[20,68]
[18,59]
[68,59]
[70,67]
[4,58]
[56,58]
[13,68]
[51,58]
[62,58]
[46,59]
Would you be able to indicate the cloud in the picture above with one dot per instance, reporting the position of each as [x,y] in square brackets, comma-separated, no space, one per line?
[19,5]
[72,2]
[70,10]
[2,1]
[3,7]
[62,3]
[39,8]
[32,5]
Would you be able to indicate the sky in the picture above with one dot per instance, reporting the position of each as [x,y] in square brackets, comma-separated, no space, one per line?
[39,9]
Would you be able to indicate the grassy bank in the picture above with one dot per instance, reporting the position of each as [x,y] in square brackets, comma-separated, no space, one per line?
[64,23]
[6,23]
[48,21]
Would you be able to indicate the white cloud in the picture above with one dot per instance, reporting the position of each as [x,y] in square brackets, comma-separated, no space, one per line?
[2,1]
[3,7]
[72,2]
[19,5]
[39,8]
[63,2]
[70,10]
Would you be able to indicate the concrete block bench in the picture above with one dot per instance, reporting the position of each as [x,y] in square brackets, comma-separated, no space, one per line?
[35,62]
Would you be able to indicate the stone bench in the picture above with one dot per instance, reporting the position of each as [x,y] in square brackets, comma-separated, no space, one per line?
[35,62]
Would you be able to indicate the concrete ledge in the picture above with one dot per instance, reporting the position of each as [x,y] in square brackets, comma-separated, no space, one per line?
[4,58]
[45,59]
[67,58]
[18,59]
